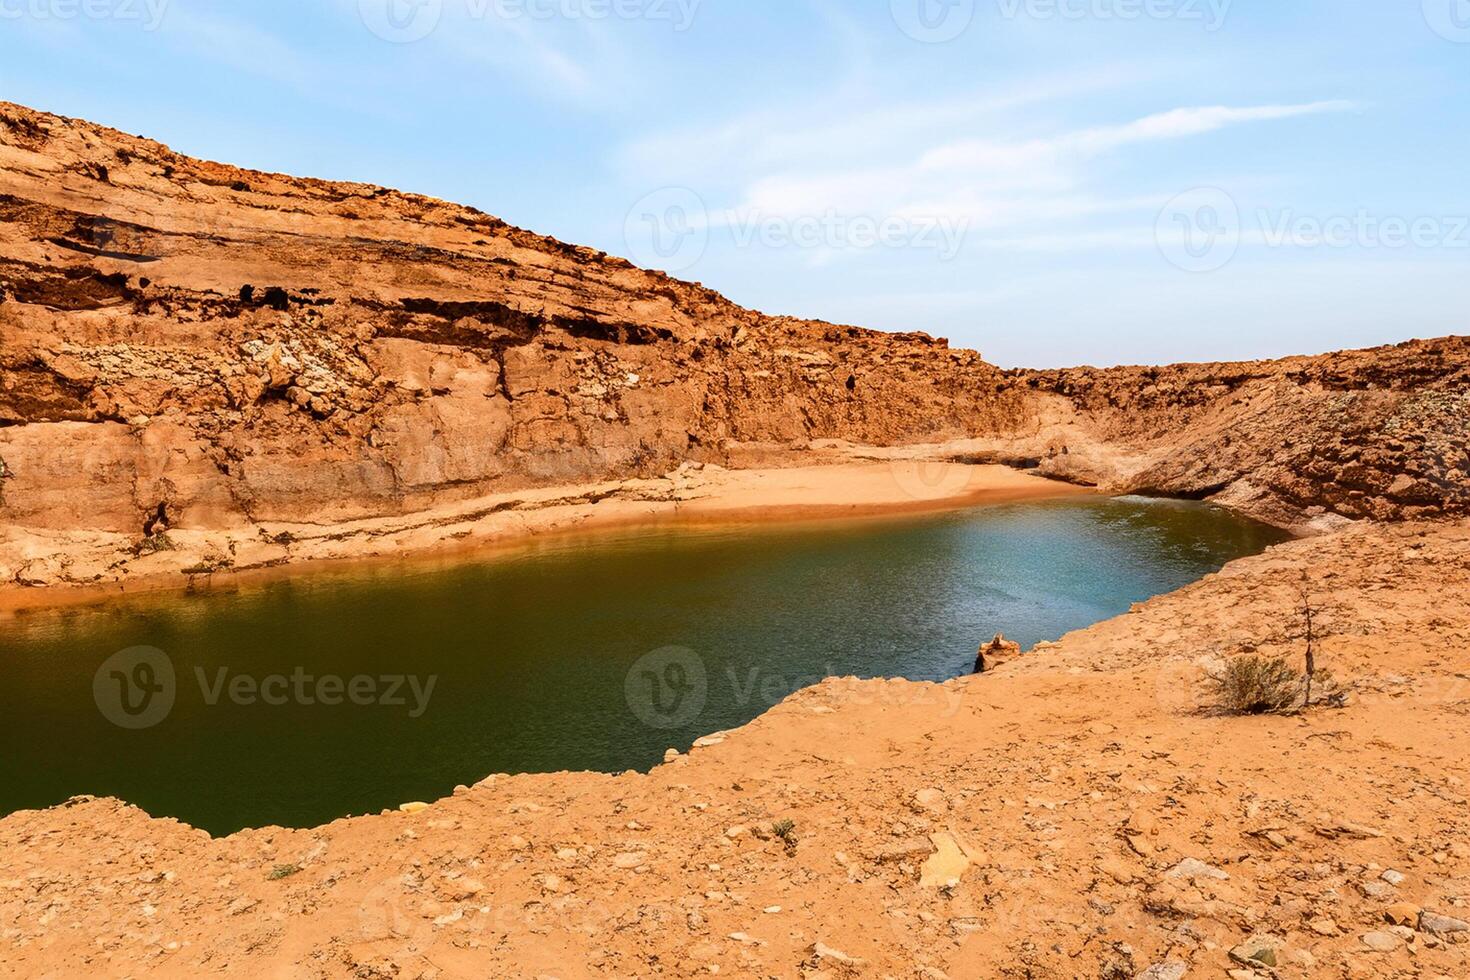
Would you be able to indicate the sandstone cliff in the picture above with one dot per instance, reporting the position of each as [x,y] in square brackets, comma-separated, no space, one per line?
[190,346]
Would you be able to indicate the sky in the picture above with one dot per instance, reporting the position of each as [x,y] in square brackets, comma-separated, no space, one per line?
[1050,182]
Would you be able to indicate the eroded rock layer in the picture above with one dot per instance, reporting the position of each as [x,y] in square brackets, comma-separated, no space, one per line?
[190,346]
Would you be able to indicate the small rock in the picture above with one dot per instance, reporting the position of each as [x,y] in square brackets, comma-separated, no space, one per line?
[1393,877]
[946,866]
[966,926]
[1441,925]
[1254,952]
[1402,914]
[1165,971]
[630,860]
[1382,942]
[996,652]
[241,905]
[1118,870]
[1324,927]
[1191,868]
[930,799]
[416,807]
[824,954]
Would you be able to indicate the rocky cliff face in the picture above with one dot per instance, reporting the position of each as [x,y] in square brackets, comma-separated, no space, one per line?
[213,345]
[1378,434]
[185,344]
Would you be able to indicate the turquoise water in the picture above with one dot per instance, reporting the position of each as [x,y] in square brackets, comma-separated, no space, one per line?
[302,700]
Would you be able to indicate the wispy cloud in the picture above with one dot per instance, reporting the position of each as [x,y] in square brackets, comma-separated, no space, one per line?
[1032,186]
[1174,124]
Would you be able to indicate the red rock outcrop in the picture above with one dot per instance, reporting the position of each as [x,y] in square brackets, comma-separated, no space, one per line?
[189,345]
[1379,434]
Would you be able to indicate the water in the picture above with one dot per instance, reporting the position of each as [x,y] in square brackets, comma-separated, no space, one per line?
[595,653]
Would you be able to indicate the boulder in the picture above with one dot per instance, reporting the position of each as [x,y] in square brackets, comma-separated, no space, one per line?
[996,652]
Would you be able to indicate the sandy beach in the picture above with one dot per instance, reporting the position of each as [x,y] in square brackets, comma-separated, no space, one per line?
[86,567]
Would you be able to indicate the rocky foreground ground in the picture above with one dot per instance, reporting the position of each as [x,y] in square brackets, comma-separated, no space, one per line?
[1077,812]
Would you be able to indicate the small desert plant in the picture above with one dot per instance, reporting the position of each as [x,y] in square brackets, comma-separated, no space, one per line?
[1256,686]
[283,871]
[154,543]
[786,830]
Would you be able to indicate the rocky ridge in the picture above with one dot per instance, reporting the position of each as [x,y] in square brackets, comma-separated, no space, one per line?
[189,346]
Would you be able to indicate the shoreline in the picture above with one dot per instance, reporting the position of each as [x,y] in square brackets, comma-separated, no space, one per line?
[1113,741]
[700,496]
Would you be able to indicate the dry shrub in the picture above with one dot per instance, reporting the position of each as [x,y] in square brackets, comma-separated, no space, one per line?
[1256,686]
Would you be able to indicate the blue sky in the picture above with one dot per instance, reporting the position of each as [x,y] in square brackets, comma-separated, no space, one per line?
[1047,181]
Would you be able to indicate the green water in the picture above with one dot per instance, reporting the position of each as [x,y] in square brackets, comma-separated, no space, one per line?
[303,700]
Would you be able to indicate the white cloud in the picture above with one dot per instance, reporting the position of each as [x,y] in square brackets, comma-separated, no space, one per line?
[856,124]
[1037,193]
[1174,124]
